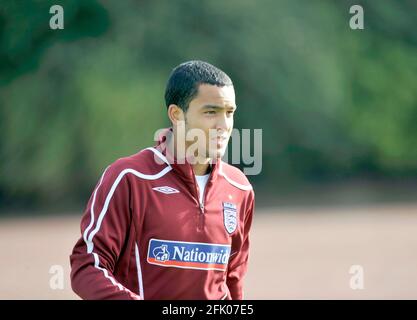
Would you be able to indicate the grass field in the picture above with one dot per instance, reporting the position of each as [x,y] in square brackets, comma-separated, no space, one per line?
[295,253]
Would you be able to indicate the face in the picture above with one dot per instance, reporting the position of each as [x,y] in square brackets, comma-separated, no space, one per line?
[210,113]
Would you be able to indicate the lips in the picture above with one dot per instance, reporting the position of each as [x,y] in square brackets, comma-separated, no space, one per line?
[221,138]
[220,141]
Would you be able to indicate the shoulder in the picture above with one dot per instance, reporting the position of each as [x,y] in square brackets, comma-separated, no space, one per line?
[235,177]
[144,164]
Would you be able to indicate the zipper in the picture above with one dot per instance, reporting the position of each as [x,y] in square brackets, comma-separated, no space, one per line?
[197,194]
[200,217]
[203,199]
[200,224]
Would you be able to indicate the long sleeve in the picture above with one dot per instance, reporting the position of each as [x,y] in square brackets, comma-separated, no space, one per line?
[104,228]
[238,262]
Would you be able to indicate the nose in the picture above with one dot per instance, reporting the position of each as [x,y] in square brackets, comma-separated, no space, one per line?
[223,123]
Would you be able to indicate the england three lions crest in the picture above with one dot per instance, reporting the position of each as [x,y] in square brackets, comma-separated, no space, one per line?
[230,216]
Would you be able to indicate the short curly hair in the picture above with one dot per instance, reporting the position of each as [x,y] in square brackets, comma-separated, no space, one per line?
[184,80]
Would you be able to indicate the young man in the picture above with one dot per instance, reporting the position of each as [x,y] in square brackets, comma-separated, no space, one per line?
[172,221]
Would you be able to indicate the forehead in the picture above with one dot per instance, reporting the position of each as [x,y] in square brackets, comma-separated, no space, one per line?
[211,94]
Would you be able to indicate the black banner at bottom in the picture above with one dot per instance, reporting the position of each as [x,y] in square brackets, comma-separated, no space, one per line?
[172,310]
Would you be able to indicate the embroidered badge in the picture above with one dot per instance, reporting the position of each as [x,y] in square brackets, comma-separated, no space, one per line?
[166,190]
[229,216]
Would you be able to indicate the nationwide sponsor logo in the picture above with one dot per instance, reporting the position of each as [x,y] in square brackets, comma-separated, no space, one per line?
[188,255]
[230,216]
[166,190]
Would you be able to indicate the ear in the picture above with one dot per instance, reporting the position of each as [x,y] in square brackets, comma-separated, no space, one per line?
[175,114]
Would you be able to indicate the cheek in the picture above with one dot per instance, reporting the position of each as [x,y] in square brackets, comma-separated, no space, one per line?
[202,121]
[230,123]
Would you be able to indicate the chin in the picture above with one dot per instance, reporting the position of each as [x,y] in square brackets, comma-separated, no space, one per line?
[216,154]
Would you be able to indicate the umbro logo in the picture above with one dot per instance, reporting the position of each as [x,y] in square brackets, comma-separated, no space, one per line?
[166,190]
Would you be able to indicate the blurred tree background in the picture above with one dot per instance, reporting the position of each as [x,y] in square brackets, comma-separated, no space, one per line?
[334,104]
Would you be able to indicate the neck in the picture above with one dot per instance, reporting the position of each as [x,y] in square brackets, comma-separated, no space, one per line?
[200,169]
[201,166]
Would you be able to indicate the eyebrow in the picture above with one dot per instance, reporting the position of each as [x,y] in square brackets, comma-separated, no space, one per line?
[213,106]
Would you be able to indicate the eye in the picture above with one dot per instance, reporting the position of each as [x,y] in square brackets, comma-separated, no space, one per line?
[210,112]
[230,112]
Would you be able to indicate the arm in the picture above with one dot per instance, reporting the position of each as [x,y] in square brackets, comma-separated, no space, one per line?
[239,261]
[104,228]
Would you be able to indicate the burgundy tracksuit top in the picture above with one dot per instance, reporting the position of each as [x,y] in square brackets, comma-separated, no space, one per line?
[145,235]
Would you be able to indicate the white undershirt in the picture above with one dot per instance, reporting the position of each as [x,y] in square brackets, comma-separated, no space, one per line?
[202,181]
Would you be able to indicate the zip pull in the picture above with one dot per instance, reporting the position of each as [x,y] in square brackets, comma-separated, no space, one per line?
[204,195]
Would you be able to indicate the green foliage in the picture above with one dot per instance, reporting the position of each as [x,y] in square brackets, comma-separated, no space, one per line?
[332,102]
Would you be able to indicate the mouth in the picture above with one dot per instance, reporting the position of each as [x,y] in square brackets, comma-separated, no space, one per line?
[220,141]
